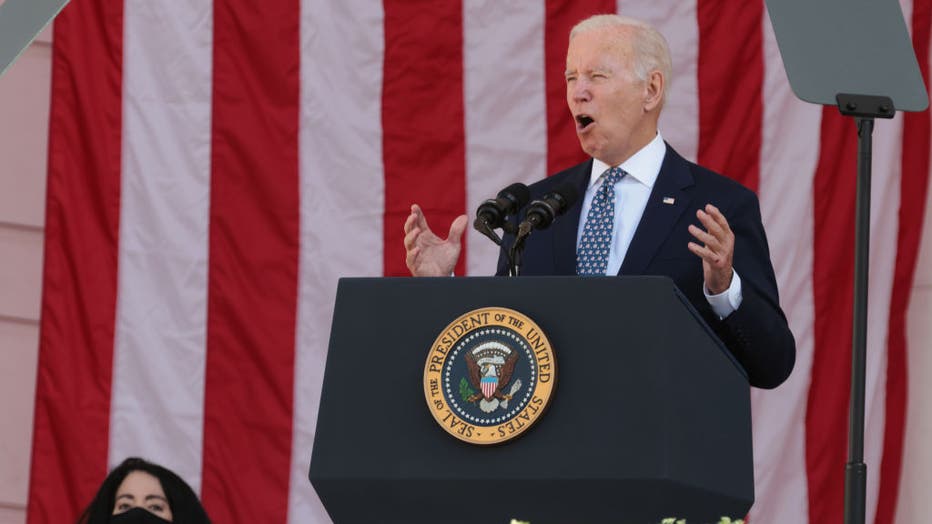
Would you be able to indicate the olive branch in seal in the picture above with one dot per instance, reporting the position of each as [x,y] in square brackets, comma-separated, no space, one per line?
[466,392]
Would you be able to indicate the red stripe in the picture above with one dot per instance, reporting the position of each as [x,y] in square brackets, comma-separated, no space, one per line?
[72,417]
[731,53]
[832,281]
[423,130]
[254,232]
[563,148]
[914,185]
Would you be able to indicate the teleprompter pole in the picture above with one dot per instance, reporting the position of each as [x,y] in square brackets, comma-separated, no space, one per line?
[864,109]
[856,469]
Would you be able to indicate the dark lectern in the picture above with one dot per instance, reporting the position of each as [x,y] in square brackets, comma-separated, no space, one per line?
[650,418]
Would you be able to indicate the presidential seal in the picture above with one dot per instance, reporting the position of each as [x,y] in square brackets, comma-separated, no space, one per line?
[489,376]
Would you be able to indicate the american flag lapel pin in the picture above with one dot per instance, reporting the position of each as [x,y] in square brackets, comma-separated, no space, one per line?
[669,200]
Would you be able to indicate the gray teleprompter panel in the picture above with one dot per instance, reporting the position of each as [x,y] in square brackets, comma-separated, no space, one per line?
[848,46]
[20,22]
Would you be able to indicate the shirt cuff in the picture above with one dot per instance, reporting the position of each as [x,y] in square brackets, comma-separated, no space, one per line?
[726,302]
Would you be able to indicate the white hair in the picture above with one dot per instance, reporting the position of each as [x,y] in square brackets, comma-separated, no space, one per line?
[651,52]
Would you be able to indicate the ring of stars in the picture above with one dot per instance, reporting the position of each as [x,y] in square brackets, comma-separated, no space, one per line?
[468,342]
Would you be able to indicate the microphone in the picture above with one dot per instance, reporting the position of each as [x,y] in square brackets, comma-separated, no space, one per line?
[493,212]
[541,213]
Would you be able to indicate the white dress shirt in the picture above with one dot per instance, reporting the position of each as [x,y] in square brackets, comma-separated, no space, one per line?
[631,195]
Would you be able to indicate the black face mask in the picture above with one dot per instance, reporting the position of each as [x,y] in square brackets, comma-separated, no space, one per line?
[137,516]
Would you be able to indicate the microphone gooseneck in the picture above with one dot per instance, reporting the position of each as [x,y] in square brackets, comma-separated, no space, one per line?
[540,215]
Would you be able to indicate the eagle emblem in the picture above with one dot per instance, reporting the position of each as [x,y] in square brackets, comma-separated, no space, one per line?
[489,375]
[490,367]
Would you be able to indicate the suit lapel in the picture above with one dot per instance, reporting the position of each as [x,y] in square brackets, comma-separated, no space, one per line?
[659,217]
[566,227]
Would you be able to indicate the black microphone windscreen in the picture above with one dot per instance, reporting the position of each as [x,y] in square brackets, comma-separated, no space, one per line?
[570,196]
[494,212]
[517,193]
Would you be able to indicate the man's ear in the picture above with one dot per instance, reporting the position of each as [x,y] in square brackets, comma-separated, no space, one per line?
[654,89]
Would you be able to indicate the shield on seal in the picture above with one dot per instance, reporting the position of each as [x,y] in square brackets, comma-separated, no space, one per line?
[489,385]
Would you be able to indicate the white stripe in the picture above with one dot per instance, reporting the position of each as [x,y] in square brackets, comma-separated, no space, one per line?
[342,197]
[914,503]
[506,135]
[159,357]
[679,121]
[788,160]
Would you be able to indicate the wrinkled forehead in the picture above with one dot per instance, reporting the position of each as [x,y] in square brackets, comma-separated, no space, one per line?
[602,48]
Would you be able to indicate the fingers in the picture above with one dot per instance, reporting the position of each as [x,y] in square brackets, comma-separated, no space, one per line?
[425,253]
[702,236]
[457,228]
[713,220]
[415,219]
[410,222]
[411,237]
[703,252]
[411,259]
[414,225]
[715,246]
[716,243]
[717,229]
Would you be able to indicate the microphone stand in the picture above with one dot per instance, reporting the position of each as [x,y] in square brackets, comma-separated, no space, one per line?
[517,249]
[483,227]
[540,215]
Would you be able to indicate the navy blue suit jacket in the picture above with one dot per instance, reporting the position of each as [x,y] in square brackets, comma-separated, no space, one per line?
[757,333]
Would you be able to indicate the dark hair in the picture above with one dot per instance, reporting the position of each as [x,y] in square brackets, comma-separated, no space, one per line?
[186,508]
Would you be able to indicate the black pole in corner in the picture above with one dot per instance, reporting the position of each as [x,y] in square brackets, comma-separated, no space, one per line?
[864,109]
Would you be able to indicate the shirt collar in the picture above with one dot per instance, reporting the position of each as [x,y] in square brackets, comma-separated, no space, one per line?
[643,166]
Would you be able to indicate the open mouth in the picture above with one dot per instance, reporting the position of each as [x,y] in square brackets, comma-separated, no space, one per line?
[583,121]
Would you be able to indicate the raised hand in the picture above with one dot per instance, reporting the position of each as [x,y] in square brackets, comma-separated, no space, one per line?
[717,250]
[428,255]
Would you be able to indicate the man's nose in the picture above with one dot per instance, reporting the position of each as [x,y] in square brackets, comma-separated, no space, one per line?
[580,91]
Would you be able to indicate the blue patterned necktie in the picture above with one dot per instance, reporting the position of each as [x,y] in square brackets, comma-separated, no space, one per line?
[592,253]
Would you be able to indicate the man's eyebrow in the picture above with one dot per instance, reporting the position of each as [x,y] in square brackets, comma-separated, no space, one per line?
[591,70]
[126,496]
[156,497]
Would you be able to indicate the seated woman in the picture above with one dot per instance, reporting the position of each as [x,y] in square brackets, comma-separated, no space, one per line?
[141,492]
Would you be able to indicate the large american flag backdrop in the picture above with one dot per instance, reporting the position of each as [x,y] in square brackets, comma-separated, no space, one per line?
[214,168]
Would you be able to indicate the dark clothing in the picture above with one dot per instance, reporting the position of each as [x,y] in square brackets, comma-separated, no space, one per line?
[756,333]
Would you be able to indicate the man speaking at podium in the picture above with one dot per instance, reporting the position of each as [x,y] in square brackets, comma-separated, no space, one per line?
[644,210]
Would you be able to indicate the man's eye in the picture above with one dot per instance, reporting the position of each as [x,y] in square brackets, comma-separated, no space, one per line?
[156,508]
[123,506]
